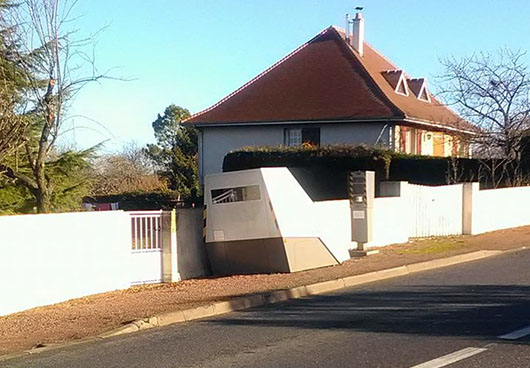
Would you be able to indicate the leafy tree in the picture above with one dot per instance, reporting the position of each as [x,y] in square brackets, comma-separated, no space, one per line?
[175,153]
[72,180]
[12,82]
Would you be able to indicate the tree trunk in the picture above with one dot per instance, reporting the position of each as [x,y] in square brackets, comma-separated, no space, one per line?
[42,194]
[43,202]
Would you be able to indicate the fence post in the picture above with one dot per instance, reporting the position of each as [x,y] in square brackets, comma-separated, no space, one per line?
[175,272]
[467,207]
[170,271]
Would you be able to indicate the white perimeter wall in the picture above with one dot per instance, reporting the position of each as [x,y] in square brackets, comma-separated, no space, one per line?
[496,209]
[45,259]
[392,221]
[298,216]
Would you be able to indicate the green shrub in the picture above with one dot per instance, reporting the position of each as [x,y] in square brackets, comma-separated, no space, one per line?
[164,200]
[387,164]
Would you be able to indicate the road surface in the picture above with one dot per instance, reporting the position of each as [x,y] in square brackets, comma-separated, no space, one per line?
[471,315]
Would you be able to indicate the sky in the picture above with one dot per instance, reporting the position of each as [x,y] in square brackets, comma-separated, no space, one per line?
[193,53]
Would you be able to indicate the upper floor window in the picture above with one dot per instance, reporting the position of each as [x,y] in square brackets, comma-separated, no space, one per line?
[297,136]
[396,78]
[419,88]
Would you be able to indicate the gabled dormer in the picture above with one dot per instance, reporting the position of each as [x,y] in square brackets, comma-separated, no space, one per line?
[418,86]
[396,78]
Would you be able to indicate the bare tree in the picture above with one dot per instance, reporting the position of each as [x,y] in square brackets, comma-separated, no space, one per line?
[124,172]
[57,65]
[493,92]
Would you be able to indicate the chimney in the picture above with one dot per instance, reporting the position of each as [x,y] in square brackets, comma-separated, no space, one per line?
[357,40]
[347,29]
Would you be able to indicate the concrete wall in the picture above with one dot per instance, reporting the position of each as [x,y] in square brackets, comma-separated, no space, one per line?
[45,259]
[192,260]
[284,210]
[496,209]
[336,234]
[216,142]
[391,222]
[298,216]
[239,220]
[403,211]
[183,249]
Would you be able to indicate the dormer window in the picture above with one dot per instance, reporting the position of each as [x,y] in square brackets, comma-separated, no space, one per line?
[396,78]
[419,88]
[402,88]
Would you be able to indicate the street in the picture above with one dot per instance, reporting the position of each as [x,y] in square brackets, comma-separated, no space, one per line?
[470,315]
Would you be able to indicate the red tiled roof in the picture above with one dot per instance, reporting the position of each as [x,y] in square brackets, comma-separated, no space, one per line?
[325,79]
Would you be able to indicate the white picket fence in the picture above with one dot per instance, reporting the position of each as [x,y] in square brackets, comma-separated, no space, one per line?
[146,247]
[435,210]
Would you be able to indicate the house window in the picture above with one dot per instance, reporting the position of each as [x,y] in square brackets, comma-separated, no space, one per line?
[409,140]
[293,137]
[297,136]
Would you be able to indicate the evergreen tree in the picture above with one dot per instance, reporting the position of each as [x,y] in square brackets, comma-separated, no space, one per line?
[176,151]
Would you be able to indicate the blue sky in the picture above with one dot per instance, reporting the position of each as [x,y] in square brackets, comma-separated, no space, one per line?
[193,53]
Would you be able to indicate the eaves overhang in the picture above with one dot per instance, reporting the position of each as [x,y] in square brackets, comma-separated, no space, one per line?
[295,122]
[438,126]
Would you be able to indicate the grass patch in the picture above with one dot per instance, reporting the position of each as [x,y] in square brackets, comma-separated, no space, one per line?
[434,245]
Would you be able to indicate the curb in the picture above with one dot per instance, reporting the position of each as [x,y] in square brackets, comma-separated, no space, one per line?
[272,297]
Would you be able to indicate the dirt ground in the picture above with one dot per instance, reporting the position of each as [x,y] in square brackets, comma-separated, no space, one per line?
[92,315]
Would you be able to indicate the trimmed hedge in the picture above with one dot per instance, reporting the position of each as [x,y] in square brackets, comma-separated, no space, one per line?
[165,200]
[330,165]
[387,164]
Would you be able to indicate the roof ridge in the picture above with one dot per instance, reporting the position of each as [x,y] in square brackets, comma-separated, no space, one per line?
[259,76]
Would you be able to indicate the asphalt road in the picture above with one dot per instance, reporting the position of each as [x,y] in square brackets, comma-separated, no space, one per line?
[454,314]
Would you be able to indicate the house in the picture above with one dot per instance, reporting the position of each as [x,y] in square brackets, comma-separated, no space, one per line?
[334,89]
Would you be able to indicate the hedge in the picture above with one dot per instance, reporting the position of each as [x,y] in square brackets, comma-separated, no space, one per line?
[330,165]
[162,200]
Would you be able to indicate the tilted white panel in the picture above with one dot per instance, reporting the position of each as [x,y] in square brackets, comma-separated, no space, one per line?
[299,216]
[251,219]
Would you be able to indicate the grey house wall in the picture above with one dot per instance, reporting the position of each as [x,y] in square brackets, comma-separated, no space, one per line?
[216,142]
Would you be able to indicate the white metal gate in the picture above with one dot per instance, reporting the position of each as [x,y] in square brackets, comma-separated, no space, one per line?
[436,211]
[146,257]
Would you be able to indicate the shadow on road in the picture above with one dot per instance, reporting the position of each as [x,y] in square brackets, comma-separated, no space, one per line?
[479,311]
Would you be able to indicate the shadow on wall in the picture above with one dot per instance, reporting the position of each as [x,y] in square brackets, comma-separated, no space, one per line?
[322,184]
[478,311]
[326,184]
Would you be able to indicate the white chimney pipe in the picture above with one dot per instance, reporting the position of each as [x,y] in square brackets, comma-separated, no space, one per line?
[358,33]
[347,29]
